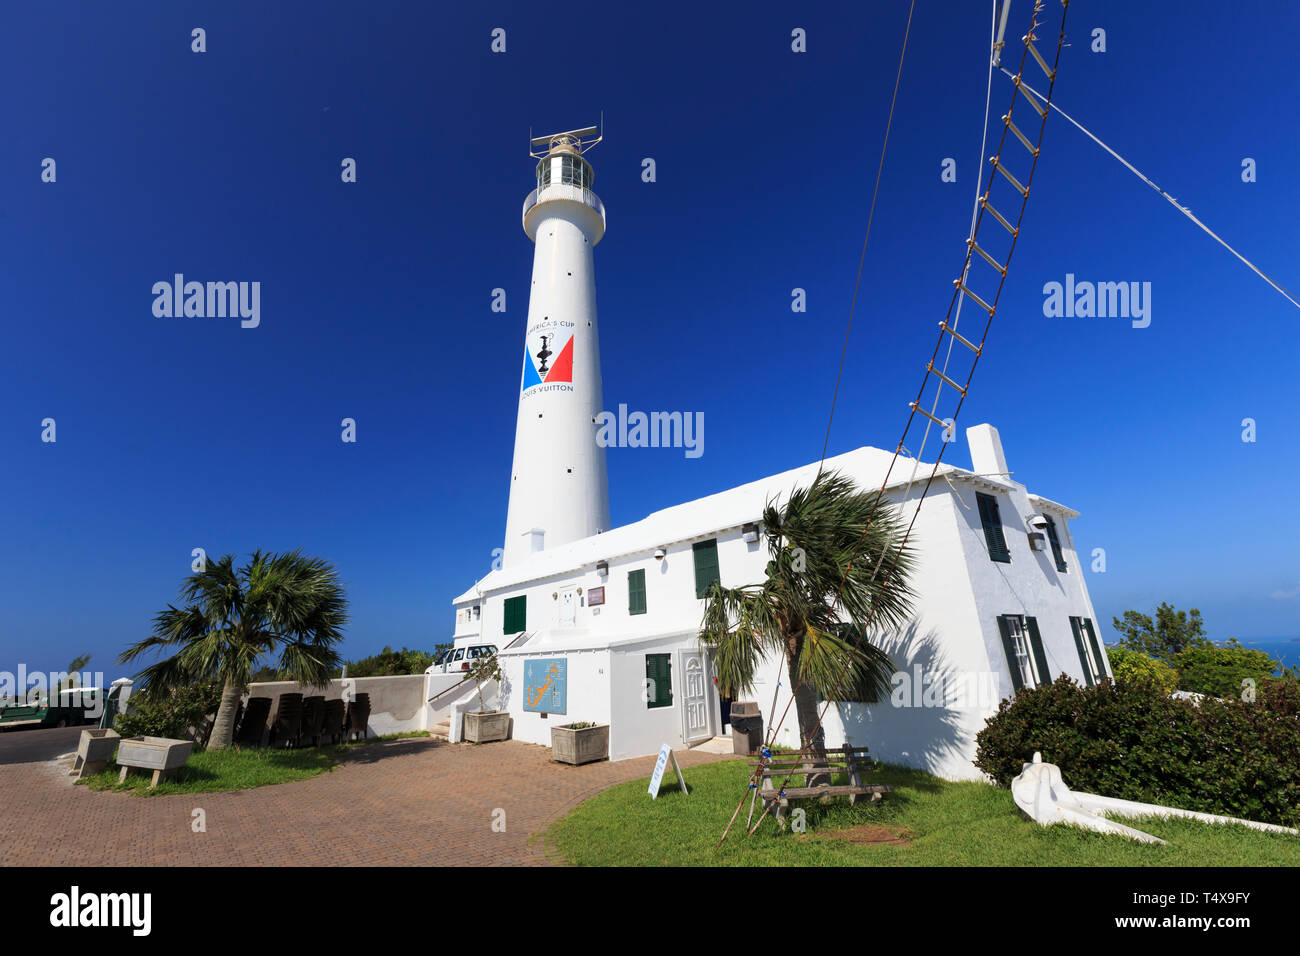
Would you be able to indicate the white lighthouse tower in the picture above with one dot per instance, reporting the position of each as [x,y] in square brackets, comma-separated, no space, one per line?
[559,491]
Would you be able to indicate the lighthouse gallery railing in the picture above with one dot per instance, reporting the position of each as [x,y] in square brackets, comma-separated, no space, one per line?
[566,191]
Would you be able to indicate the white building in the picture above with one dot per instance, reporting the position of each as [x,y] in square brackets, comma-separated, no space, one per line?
[601,624]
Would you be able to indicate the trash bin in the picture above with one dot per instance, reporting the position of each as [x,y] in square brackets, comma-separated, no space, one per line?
[746,727]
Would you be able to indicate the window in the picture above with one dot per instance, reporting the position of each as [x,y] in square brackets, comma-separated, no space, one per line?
[1040,653]
[636,591]
[575,171]
[1089,649]
[706,565]
[516,614]
[1053,537]
[1026,656]
[992,522]
[658,680]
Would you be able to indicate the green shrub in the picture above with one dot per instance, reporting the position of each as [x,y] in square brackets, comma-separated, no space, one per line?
[390,663]
[1132,667]
[1131,740]
[181,715]
[1219,670]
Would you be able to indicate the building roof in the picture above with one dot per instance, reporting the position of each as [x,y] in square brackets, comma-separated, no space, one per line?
[705,517]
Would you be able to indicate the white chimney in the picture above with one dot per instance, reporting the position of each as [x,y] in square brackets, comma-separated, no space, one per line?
[986,455]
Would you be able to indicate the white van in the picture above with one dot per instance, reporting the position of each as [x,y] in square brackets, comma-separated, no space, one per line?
[459,658]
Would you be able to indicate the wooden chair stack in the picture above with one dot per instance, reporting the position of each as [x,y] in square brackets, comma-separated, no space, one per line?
[253,724]
[359,716]
[288,720]
[313,719]
[332,726]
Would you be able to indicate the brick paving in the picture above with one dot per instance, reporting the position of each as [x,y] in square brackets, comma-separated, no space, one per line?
[416,802]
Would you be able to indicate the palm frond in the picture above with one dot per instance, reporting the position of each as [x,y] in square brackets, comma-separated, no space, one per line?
[739,625]
[843,665]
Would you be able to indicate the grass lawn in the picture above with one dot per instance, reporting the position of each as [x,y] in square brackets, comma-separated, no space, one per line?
[210,771]
[924,822]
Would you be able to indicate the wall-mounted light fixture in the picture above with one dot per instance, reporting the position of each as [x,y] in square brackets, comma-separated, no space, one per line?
[602,568]
[750,531]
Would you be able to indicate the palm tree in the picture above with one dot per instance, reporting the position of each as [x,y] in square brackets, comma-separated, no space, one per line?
[71,678]
[822,591]
[284,603]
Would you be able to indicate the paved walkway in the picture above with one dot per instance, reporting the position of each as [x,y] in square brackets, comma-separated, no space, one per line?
[404,802]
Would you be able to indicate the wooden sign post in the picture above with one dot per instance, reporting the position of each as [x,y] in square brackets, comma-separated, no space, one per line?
[665,755]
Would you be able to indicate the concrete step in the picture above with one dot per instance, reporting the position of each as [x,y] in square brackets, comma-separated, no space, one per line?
[715,745]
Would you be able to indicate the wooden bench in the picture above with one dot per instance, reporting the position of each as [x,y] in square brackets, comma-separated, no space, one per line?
[850,761]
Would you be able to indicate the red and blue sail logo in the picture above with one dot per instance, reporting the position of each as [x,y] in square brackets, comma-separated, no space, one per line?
[548,359]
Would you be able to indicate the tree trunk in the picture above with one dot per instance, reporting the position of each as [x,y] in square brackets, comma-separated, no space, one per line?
[223,728]
[805,709]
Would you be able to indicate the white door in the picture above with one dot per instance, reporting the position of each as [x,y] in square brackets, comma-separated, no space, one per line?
[568,609]
[697,698]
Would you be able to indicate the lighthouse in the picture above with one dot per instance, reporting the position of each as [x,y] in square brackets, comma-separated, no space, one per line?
[559,490]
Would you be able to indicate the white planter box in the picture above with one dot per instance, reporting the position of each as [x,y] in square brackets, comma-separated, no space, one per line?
[484,726]
[162,755]
[93,751]
[580,745]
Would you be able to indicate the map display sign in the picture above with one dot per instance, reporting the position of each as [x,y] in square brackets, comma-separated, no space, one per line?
[546,685]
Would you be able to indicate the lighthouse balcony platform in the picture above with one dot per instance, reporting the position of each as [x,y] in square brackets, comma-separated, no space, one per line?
[563,192]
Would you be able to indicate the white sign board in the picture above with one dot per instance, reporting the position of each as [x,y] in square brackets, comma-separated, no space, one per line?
[665,754]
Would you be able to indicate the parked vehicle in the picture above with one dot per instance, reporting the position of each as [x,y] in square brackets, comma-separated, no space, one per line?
[458,658]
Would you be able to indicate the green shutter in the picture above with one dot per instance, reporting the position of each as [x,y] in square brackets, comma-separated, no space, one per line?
[516,614]
[1053,537]
[992,522]
[636,591]
[659,680]
[1077,630]
[1096,648]
[1013,663]
[1040,655]
[706,565]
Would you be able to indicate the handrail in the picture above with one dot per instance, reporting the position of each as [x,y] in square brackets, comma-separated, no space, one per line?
[565,191]
[522,636]
[453,687]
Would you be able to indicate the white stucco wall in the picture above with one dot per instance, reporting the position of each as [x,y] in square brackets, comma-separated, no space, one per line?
[588,697]
[952,642]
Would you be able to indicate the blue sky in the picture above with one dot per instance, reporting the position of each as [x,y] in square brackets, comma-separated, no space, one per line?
[177,433]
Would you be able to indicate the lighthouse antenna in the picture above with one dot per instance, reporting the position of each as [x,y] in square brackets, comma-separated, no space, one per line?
[576,140]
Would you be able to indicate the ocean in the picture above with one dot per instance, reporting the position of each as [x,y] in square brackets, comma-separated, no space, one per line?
[1286,650]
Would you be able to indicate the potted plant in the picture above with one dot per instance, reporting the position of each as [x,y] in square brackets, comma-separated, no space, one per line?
[580,742]
[483,725]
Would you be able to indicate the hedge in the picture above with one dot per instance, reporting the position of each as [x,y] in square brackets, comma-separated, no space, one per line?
[1133,741]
